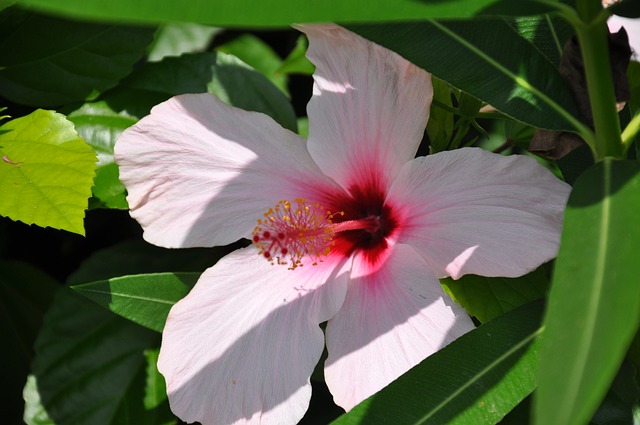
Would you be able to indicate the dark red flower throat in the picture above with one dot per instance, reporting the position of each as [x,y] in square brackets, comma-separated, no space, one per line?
[299,232]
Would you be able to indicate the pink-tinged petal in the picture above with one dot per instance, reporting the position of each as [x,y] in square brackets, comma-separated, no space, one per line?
[632,27]
[200,172]
[470,211]
[390,321]
[369,107]
[240,348]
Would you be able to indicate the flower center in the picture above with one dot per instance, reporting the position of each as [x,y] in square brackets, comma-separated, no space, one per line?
[290,232]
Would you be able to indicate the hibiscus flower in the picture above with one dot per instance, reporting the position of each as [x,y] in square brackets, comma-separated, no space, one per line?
[347,227]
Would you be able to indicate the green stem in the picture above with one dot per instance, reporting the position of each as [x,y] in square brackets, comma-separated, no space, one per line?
[592,37]
[630,132]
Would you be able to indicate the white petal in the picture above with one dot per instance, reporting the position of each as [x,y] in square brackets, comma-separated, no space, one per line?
[369,107]
[390,321]
[200,172]
[240,348]
[472,211]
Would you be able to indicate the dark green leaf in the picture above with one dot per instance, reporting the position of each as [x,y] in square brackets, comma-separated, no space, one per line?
[259,55]
[46,172]
[489,60]
[440,124]
[548,33]
[223,75]
[25,294]
[144,299]
[46,61]
[174,39]
[100,126]
[155,392]
[594,304]
[476,380]
[89,365]
[626,8]
[489,297]
[281,12]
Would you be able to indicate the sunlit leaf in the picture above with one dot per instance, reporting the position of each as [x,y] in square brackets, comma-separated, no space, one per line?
[227,77]
[489,60]
[144,299]
[259,55]
[46,171]
[283,12]
[594,304]
[176,38]
[489,297]
[47,61]
[100,126]
[476,380]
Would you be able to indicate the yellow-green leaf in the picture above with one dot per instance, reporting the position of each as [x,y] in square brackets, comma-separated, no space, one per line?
[46,172]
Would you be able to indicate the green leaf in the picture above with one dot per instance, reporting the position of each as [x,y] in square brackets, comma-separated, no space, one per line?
[500,67]
[100,126]
[143,299]
[296,62]
[475,380]
[227,77]
[280,12]
[34,411]
[95,359]
[440,124]
[155,392]
[46,61]
[25,294]
[490,297]
[259,55]
[594,303]
[46,172]
[174,39]
[548,33]
[89,365]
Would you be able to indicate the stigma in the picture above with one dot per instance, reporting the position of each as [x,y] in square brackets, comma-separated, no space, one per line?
[301,232]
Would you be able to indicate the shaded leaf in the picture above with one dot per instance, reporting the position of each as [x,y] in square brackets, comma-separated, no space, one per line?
[47,61]
[594,303]
[296,62]
[490,297]
[440,124]
[548,33]
[223,75]
[100,126]
[25,294]
[500,67]
[176,38]
[282,12]
[144,299]
[258,55]
[46,172]
[88,365]
[456,387]
[155,392]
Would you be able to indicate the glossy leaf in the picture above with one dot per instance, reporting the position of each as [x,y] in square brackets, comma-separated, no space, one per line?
[489,60]
[548,33]
[100,126]
[105,367]
[47,61]
[489,297]
[46,172]
[89,366]
[143,299]
[176,38]
[282,12]
[258,55]
[25,294]
[296,61]
[227,77]
[476,380]
[594,303]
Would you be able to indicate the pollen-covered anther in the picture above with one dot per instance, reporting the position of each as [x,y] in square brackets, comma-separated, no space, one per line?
[289,232]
